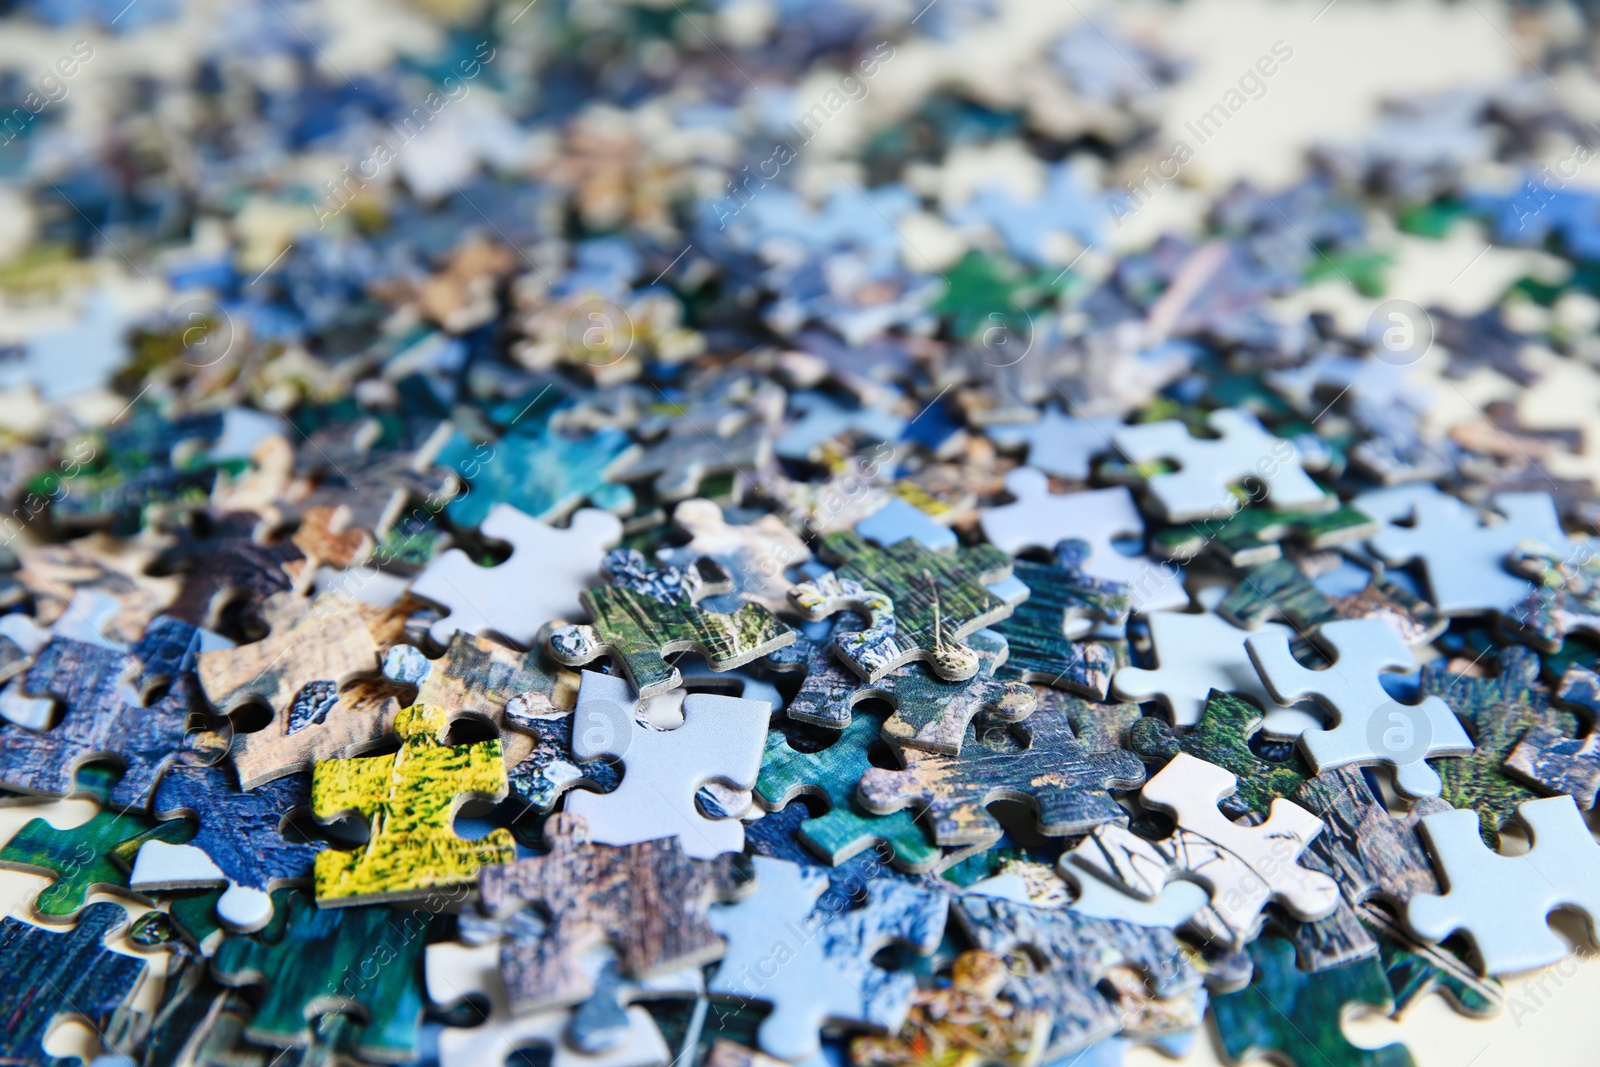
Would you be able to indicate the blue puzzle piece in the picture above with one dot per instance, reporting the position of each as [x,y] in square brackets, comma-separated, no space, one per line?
[1060,444]
[1066,205]
[544,475]
[822,419]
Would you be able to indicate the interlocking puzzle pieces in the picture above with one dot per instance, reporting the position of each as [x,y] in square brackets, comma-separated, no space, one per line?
[1062,961]
[648,900]
[541,580]
[1500,902]
[52,574]
[720,741]
[1097,517]
[1552,760]
[919,604]
[1059,597]
[965,1024]
[822,956]
[86,858]
[1370,726]
[544,475]
[1497,713]
[409,801]
[104,714]
[1566,592]
[648,613]
[1197,653]
[1253,535]
[298,672]
[456,971]
[239,843]
[754,554]
[1038,761]
[311,962]
[1244,867]
[832,772]
[1287,589]
[1463,553]
[1200,488]
[50,975]
[1298,1015]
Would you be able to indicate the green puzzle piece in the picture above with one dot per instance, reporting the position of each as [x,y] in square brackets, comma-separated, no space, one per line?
[88,857]
[1497,712]
[920,604]
[365,961]
[1295,1016]
[648,612]
[1252,535]
[833,772]
[1222,737]
[1280,589]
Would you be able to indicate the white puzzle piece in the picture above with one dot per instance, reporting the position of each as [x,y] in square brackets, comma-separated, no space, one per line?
[1464,556]
[162,866]
[721,740]
[540,581]
[1059,444]
[1369,725]
[1042,519]
[1502,903]
[1242,450]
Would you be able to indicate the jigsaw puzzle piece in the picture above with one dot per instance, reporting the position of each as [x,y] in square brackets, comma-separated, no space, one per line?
[677,465]
[1284,589]
[754,554]
[229,563]
[541,580]
[1097,517]
[1550,759]
[1501,902]
[920,604]
[648,613]
[1062,445]
[1036,633]
[311,962]
[239,843]
[933,715]
[1254,535]
[1039,760]
[409,801]
[1370,726]
[828,975]
[1201,488]
[648,900]
[1566,592]
[720,741]
[544,475]
[823,420]
[1299,1016]
[832,772]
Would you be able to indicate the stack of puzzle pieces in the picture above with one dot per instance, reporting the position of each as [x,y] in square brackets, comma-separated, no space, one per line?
[586,590]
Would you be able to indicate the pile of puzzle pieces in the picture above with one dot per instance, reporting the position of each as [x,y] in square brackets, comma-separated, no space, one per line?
[586,590]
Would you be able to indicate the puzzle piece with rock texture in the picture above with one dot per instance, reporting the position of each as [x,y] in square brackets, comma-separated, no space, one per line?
[1200,488]
[755,554]
[720,741]
[832,772]
[1039,760]
[1042,519]
[1298,1016]
[1552,760]
[1501,902]
[409,801]
[311,962]
[298,672]
[1369,726]
[1463,555]
[1060,596]
[1244,867]
[52,975]
[240,843]
[826,975]
[648,900]
[540,581]
[919,604]
[647,613]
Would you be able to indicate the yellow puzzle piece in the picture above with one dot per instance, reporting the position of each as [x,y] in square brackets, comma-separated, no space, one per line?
[409,800]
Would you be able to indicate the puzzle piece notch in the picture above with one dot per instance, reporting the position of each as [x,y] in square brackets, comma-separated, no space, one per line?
[1042,519]
[1370,726]
[1245,867]
[679,463]
[1501,902]
[409,800]
[720,741]
[1038,761]
[648,613]
[1200,488]
[648,900]
[827,975]
[541,580]
[823,420]
[1059,597]
[919,604]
